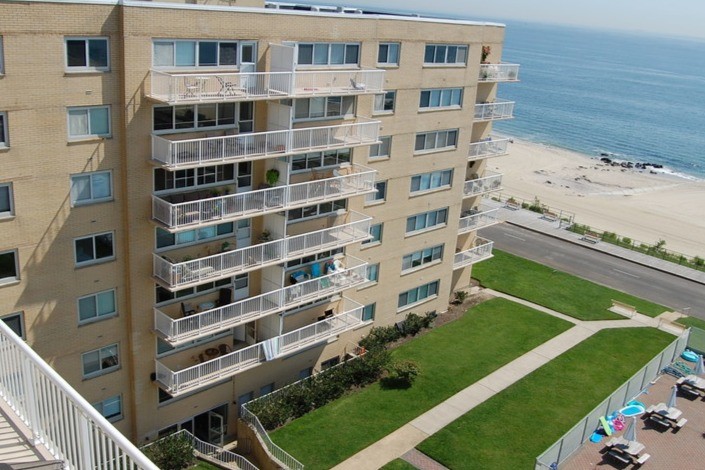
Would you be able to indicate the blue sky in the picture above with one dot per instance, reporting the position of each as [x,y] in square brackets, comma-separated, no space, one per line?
[659,17]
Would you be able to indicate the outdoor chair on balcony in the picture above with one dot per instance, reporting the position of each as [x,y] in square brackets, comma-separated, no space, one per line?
[225,296]
[228,88]
[187,309]
[356,85]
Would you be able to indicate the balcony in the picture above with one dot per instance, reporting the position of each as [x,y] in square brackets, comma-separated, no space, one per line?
[213,210]
[181,330]
[476,220]
[488,183]
[223,367]
[188,153]
[174,276]
[178,88]
[488,148]
[499,73]
[496,111]
[481,251]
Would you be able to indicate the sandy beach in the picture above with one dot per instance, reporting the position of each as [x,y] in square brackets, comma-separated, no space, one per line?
[631,202]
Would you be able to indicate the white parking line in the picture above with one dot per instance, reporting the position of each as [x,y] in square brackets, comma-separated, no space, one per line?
[628,274]
[514,236]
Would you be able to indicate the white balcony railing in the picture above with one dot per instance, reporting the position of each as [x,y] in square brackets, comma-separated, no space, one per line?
[500,109]
[174,88]
[478,220]
[174,154]
[490,182]
[59,418]
[181,330]
[265,201]
[215,370]
[211,268]
[499,73]
[480,252]
[488,148]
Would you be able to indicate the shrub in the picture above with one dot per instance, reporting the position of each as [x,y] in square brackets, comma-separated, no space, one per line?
[627,241]
[460,297]
[173,452]
[698,261]
[536,206]
[402,373]
[413,324]
[524,205]
[380,336]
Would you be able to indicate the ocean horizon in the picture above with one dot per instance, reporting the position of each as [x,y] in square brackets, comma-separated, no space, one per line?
[635,97]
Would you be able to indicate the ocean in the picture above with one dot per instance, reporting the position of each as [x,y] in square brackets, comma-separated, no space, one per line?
[639,97]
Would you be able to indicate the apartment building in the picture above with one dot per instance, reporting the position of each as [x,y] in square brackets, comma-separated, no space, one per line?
[202,202]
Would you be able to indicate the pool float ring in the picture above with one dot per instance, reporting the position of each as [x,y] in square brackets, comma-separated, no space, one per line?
[689,355]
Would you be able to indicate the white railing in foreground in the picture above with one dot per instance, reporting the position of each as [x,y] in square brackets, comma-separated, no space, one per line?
[499,73]
[258,145]
[499,109]
[60,419]
[278,454]
[487,148]
[480,252]
[490,182]
[478,220]
[212,451]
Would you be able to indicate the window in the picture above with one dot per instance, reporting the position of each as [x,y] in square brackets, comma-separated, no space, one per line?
[316,210]
[440,98]
[418,294]
[206,115]
[445,54]
[324,108]
[91,121]
[380,195]
[436,140]
[100,361]
[376,232]
[426,220]
[16,323]
[327,364]
[9,269]
[95,306]
[323,53]
[2,61]
[433,180]
[166,239]
[94,248]
[266,389]
[87,54]
[373,272]
[311,258]
[388,53]
[110,408]
[88,188]
[163,296]
[421,257]
[171,53]
[308,161]
[194,177]
[383,149]
[384,103]
[4,135]
[304,373]
[368,312]
[7,208]
[245,398]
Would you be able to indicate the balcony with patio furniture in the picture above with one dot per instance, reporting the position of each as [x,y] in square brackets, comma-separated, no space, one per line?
[477,185]
[490,147]
[177,380]
[176,326]
[496,110]
[174,152]
[475,219]
[498,73]
[173,275]
[481,250]
[190,210]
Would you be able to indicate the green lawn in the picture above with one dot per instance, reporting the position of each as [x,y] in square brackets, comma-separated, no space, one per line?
[451,358]
[535,412]
[556,290]
[692,321]
[398,464]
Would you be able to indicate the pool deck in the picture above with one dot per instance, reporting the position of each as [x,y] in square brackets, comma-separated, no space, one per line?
[668,449]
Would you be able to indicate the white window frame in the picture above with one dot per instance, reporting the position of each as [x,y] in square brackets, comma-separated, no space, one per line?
[100,406]
[424,258]
[381,100]
[327,109]
[375,240]
[336,206]
[436,141]
[101,360]
[443,49]
[91,199]
[379,196]
[328,63]
[4,130]
[240,45]
[98,316]
[88,110]
[418,291]
[87,67]
[94,260]
[445,97]
[20,317]
[323,159]
[191,176]
[372,273]
[237,108]
[11,201]
[16,277]
[434,180]
[368,312]
[199,236]
[427,226]
[390,46]
[377,150]
[189,292]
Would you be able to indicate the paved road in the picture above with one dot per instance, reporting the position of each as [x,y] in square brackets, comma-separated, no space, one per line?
[601,268]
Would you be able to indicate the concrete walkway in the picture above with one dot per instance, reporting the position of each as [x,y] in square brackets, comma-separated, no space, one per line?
[406,438]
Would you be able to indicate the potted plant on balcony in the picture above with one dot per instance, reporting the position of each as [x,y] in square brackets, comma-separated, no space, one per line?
[271,176]
[485,53]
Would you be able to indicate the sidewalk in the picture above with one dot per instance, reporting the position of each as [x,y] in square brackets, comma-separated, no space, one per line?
[413,433]
[534,222]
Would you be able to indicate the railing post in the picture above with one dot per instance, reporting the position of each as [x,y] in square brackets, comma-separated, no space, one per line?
[84,440]
[30,401]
